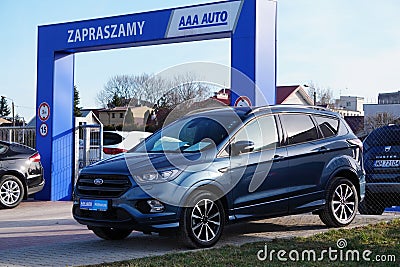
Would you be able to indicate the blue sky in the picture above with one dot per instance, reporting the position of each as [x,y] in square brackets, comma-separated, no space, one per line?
[353,47]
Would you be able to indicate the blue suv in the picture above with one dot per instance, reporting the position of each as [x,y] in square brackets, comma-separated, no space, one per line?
[226,165]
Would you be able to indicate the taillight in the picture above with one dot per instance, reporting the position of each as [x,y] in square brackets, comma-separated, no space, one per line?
[35,157]
[113,151]
[357,152]
[356,142]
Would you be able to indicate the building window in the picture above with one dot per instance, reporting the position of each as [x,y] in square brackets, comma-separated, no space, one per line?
[113,115]
[121,115]
[348,104]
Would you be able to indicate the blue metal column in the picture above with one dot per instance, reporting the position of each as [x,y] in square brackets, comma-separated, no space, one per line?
[55,88]
[253,52]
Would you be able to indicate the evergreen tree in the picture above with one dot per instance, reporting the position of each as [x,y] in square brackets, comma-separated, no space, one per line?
[77,109]
[129,121]
[116,101]
[4,108]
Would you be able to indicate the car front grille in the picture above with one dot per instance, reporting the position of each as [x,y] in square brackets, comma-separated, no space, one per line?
[102,185]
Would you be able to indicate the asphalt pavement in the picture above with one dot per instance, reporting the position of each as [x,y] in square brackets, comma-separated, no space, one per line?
[41,233]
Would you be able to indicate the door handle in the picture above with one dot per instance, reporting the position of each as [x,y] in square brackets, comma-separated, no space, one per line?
[323,149]
[278,157]
[223,170]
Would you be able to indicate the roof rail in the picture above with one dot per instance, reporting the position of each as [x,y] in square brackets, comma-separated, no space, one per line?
[307,106]
[318,108]
[206,109]
[255,109]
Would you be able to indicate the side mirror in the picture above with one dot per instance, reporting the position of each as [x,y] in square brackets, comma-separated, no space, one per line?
[244,146]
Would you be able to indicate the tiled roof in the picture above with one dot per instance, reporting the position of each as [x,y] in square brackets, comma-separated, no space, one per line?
[283,92]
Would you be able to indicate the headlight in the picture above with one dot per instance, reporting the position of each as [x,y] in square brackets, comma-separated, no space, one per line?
[157,177]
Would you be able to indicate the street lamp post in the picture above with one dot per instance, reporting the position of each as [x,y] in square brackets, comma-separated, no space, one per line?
[314,94]
[13,112]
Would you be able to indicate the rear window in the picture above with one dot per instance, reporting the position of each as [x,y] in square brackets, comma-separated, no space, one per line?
[328,126]
[111,139]
[299,127]
[386,136]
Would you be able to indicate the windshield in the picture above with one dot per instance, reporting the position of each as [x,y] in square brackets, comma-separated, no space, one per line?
[190,135]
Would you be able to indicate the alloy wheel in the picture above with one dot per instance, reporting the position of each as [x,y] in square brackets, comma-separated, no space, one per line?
[343,203]
[206,220]
[10,192]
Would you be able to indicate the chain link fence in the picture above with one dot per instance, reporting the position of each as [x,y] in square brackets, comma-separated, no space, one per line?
[382,167]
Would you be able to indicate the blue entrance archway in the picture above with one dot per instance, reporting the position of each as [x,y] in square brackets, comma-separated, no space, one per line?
[250,24]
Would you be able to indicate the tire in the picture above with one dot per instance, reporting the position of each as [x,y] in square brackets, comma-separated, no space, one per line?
[202,222]
[371,206]
[11,191]
[109,233]
[341,203]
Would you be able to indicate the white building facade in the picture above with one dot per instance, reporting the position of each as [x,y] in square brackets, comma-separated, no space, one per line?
[351,103]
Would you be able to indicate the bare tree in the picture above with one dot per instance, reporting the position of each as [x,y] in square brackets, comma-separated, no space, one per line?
[186,87]
[150,87]
[324,94]
[119,85]
[379,120]
[153,88]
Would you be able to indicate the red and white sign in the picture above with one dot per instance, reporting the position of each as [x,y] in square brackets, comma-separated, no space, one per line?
[243,101]
[44,111]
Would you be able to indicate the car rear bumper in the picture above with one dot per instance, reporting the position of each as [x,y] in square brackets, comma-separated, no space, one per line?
[383,188]
[37,188]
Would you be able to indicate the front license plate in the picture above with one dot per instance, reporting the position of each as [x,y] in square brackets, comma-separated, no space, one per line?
[93,204]
[387,163]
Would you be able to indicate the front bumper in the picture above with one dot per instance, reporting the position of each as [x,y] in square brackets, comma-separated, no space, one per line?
[125,212]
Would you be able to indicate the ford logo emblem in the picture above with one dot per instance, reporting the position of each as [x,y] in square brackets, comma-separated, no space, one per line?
[98,181]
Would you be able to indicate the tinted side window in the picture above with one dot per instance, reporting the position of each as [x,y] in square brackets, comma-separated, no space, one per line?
[111,139]
[328,126]
[299,128]
[262,132]
[200,129]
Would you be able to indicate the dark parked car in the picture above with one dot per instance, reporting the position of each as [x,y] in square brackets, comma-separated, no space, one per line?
[222,166]
[21,173]
[382,167]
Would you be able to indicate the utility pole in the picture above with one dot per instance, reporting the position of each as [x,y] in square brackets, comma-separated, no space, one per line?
[315,97]
[2,104]
[12,111]
[314,93]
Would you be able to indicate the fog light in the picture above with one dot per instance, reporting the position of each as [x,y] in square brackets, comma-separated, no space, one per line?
[156,206]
